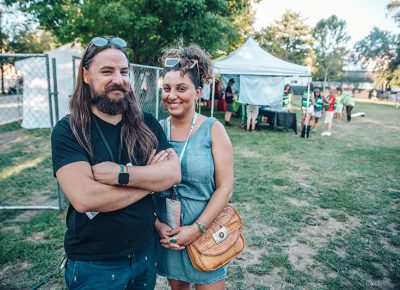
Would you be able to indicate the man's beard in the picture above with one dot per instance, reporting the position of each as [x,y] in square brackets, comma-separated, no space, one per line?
[109,106]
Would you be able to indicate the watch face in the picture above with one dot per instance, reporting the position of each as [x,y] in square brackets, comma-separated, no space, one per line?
[123,178]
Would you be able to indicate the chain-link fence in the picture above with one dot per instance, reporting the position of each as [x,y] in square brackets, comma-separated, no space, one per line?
[146,85]
[27,101]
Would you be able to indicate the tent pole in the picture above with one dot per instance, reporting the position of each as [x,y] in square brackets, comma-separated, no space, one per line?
[212,96]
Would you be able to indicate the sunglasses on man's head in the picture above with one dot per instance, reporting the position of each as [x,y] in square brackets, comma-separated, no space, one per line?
[101,42]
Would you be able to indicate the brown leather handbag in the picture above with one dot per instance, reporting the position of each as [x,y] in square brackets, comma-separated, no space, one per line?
[222,242]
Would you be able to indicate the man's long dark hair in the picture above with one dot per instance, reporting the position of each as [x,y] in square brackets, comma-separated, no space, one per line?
[135,135]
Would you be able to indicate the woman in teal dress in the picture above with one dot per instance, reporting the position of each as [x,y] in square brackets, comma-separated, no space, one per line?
[207,169]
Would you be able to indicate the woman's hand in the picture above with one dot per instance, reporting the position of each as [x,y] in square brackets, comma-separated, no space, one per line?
[183,236]
[160,156]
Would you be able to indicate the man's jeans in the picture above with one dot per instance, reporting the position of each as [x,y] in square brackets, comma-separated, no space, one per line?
[136,272]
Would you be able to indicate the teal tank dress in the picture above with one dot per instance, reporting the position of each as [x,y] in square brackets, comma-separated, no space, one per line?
[194,192]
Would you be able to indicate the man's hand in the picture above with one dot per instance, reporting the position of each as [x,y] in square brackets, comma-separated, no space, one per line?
[106,172]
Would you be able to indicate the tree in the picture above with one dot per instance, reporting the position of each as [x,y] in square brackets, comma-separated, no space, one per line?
[394,9]
[288,38]
[19,35]
[330,40]
[394,78]
[375,50]
[147,26]
[380,50]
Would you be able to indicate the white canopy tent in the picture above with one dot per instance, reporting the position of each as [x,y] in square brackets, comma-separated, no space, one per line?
[261,74]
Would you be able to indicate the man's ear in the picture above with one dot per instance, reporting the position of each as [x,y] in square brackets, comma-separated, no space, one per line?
[85,76]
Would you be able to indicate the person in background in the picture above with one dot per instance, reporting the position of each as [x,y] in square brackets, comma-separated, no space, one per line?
[288,97]
[318,106]
[206,155]
[349,102]
[374,95]
[252,114]
[339,104]
[307,109]
[329,104]
[217,92]
[397,99]
[229,102]
[104,159]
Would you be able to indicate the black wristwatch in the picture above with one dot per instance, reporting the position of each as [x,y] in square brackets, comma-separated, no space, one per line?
[123,176]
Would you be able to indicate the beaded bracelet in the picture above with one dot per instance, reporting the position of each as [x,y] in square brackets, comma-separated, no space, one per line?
[201,227]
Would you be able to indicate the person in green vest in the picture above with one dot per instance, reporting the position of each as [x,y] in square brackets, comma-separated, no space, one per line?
[307,109]
[340,94]
[349,102]
[318,106]
[288,97]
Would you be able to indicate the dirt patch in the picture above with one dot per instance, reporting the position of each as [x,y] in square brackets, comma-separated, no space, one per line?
[248,153]
[13,272]
[297,202]
[251,256]
[383,283]
[302,248]
[300,255]
[35,237]
[26,215]
[13,229]
[7,138]
[273,280]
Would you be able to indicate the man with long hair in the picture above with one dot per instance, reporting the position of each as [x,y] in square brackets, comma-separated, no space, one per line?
[108,157]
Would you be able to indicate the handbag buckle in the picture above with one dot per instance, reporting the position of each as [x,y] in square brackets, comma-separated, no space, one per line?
[220,235]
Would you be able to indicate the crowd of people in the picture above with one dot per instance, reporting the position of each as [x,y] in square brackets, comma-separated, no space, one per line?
[315,106]
[331,106]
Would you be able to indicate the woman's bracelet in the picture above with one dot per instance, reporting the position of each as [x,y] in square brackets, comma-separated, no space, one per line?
[201,227]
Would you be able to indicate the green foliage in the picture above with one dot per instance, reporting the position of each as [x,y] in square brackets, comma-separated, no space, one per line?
[288,38]
[380,50]
[394,9]
[376,49]
[19,33]
[148,26]
[330,40]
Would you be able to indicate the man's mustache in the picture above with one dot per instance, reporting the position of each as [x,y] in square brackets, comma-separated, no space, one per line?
[116,88]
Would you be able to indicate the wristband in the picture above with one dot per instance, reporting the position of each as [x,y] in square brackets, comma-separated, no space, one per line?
[123,176]
[201,227]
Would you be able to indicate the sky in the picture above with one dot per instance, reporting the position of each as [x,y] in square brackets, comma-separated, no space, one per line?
[360,15]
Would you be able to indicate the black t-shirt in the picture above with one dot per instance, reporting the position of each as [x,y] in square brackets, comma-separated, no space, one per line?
[109,235]
[228,99]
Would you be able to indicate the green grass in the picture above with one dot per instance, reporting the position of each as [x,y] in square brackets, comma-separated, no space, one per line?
[322,213]
[10,127]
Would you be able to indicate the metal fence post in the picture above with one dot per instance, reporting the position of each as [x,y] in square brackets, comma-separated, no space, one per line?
[55,88]
[49,91]
[157,93]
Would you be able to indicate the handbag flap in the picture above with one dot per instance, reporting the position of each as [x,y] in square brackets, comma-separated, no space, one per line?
[232,222]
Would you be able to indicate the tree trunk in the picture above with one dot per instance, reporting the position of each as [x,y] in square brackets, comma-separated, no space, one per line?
[326,76]
[3,92]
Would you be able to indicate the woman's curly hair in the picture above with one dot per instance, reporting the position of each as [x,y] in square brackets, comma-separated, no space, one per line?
[200,74]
